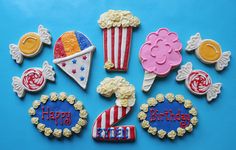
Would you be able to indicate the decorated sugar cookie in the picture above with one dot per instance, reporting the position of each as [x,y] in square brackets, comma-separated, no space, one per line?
[30,44]
[198,82]
[159,54]
[58,115]
[73,54]
[117,28]
[104,128]
[168,116]
[33,79]
[209,51]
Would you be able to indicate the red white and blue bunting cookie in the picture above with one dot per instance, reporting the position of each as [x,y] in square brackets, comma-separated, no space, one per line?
[198,82]
[168,116]
[117,28]
[33,79]
[30,44]
[58,115]
[103,128]
[73,54]
[209,51]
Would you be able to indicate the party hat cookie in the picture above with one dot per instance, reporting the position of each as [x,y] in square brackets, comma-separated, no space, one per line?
[159,54]
[73,53]
[30,44]
[209,51]
[117,28]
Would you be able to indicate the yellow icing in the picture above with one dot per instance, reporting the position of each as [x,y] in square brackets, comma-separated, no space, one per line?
[170,97]
[35,120]
[82,122]
[76,128]
[47,131]
[161,133]
[78,105]
[189,128]
[193,111]
[44,99]
[70,43]
[160,97]
[53,96]
[180,131]
[41,127]
[171,134]
[187,104]
[83,114]
[31,111]
[145,124]
[62,96]
[71,99]
[36,104]
[57,133]
[179,98]
[118,18]
[66,132]
[142,115]
[109,65]
[152,130]
[30,43]
[194,121]
[144,107]
[209,51]
[152,101]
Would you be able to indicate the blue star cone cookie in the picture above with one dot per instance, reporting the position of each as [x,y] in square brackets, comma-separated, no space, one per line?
[73,53]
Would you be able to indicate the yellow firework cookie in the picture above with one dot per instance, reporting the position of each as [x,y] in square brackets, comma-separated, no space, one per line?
[209,51]
[30,44]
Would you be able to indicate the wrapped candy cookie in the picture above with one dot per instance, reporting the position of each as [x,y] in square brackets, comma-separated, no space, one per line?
[117,28]
[209,51]
[159,55]
[30,44]
[198,82]
[33,79]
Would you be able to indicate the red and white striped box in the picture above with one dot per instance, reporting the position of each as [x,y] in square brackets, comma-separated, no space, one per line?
[117,47]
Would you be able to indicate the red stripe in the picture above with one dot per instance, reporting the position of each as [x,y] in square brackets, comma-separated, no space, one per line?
[59,50]
[132,133]
[127,50]
[113,45]
[124,112]
[105,44]
[99,121]
[107,125]
[119,47]
[115,114]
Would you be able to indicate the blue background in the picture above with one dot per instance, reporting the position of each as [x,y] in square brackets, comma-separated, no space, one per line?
[214,19]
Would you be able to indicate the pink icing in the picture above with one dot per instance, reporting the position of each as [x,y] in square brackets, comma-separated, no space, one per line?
[161,52]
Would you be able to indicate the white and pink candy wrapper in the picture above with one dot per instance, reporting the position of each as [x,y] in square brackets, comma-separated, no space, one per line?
[198,82]
[117,28]
[159,54]
[33,79]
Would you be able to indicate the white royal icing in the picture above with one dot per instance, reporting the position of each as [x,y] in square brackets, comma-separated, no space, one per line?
[223,61]
[194,42]
[184,71]
[15,53]
[18,87]
[48,71]
[213,91]
[44,35]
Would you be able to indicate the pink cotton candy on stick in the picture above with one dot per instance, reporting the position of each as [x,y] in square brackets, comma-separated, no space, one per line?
[159,54]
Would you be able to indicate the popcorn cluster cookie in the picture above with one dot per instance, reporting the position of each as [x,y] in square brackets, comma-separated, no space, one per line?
[58,115]
[168,116]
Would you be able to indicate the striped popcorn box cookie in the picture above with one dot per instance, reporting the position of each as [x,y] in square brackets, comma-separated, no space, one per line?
[117,28]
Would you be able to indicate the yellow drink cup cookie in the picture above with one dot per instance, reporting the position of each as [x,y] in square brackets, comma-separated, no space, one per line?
[30,44]
[209,51]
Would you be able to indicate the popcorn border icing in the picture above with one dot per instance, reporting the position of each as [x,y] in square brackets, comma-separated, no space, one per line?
[58,133]
[160,132]
[118,18]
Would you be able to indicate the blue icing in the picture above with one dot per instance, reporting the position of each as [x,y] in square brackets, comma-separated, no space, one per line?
[173,123]
[67,118]
[82,40]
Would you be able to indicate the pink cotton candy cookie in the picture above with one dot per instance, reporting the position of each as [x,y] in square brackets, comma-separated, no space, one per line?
[159,54]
